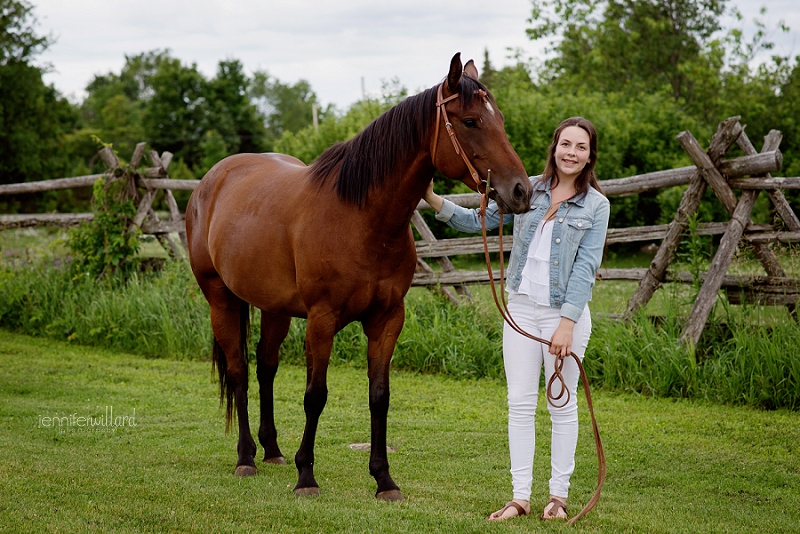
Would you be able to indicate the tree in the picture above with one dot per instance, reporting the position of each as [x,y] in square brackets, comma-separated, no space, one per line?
[175,116]
[641,45]
[232,114]
[18,39]
[487,72]
[287,108]
[33,117]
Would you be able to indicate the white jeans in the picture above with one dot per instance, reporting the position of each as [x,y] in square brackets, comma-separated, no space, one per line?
[523,359]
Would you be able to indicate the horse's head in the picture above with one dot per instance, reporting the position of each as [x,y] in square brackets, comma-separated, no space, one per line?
[470,143]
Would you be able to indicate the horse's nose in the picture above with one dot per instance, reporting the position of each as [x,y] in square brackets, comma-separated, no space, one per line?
[521,195]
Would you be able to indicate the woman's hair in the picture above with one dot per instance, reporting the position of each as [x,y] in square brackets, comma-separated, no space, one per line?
[587,176]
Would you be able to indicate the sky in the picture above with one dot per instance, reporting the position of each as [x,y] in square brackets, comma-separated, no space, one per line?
[343,48]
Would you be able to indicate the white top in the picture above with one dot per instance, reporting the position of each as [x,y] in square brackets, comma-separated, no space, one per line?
[536,275]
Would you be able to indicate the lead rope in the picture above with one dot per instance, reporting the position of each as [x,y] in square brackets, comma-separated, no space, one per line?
[559,363]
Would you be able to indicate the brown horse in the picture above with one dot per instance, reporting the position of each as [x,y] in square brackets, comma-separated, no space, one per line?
[331,242]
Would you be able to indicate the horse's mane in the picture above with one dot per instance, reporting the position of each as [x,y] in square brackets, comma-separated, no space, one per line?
[386,145]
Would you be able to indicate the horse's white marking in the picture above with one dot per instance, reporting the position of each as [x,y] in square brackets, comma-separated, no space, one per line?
[489,107]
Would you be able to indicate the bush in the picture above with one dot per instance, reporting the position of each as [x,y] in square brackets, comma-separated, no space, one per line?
[107,244]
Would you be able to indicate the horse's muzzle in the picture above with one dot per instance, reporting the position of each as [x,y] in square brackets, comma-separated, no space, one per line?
[515,199]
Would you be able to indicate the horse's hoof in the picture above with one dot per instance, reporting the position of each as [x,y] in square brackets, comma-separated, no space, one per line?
[279,460]
[245,471]
[390,495]
[310,492]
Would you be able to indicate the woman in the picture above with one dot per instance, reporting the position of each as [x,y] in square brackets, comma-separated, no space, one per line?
[558,247]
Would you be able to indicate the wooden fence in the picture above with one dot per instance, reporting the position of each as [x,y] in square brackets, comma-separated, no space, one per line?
[748,173]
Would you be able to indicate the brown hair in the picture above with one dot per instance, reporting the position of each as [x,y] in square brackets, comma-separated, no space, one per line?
[587,176]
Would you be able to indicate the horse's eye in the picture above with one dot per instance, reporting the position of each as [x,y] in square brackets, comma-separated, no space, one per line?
[470,123]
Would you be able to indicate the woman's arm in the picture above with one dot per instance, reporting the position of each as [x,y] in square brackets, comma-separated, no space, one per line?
[433,200]
[463,219]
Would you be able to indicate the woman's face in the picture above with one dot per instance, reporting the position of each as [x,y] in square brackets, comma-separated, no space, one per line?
[572,152]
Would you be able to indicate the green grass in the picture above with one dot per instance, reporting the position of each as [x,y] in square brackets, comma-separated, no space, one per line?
[673,466]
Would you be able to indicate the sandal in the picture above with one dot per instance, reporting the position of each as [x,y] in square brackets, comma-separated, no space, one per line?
[555,509]
[498,515]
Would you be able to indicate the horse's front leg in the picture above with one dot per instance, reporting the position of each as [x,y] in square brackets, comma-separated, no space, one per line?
[320,330]
[382,335]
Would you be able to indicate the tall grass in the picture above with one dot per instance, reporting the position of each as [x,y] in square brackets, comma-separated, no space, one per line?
[165,315]
[158,315]
[744,360]
[741,363]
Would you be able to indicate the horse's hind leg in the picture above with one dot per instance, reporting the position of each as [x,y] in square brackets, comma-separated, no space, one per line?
[382,334]
[230,319]
[273,331]
[320,330]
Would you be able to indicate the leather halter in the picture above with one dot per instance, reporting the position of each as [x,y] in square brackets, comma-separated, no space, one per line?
[441,111]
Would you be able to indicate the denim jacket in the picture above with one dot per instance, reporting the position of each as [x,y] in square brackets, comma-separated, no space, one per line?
[579,235]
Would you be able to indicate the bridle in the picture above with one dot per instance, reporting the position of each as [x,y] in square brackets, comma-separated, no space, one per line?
[441,111]
[484,186]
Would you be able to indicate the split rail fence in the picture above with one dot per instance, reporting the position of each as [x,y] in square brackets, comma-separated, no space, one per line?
[749,173]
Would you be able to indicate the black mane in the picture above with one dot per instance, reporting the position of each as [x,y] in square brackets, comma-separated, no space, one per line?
[387,144]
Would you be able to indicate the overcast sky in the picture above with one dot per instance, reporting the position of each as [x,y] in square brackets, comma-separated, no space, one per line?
[332,44]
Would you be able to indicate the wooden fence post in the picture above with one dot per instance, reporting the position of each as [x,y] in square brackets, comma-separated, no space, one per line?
[444,262]
[723,139]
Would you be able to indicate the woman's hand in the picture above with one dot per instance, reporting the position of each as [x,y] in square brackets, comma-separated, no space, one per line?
[561,342]
[433,200]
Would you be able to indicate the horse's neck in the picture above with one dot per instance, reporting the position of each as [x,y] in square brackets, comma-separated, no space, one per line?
[394,203]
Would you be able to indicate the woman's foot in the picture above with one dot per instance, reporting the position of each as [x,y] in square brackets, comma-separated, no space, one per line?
[514,508]
[555,509]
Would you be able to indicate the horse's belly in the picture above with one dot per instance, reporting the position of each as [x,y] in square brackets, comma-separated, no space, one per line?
[261,273]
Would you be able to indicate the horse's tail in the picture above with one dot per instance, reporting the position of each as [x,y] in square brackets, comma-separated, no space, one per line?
[220,362]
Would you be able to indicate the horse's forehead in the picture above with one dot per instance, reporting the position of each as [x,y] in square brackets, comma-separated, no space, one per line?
[489,106]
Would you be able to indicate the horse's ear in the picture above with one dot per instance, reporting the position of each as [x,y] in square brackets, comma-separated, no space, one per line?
[454,76]
[471,70]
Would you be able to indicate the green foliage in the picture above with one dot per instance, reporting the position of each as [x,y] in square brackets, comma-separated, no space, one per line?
[175,113]
[695,251]
[18,39]
[748,364]
[115,103]
[155,314]
[645,47]
[287,108]
[214,149]
[157,98]
[106,245]
[231,111]
[309,142]
[33,116]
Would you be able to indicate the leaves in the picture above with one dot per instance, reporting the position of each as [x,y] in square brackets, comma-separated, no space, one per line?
[107,244]
[18,39]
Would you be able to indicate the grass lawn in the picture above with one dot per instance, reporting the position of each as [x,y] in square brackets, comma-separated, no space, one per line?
[673,466]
